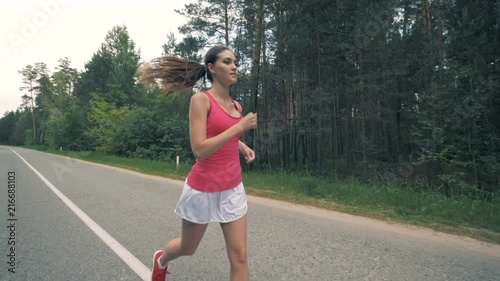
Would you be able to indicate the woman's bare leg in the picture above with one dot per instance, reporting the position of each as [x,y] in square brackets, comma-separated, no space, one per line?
[187,244]
[235,235]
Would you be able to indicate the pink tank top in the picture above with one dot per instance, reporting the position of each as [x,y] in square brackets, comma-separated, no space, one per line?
[220,171]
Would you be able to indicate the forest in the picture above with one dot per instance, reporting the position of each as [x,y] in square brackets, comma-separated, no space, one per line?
[394,90]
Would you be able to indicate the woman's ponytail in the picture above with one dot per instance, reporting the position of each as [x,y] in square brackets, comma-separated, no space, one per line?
[173,73]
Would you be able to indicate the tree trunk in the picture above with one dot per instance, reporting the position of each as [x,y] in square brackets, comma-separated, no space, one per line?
[226,22]
[338,121]
[426,16]
[349,134]
[441,47]
[33,112]
[429,51]
[362,103]
[256,66]
[333,120]
[281,95]
[256,56]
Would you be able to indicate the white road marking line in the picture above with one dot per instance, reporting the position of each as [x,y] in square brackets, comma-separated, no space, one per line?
[136,265]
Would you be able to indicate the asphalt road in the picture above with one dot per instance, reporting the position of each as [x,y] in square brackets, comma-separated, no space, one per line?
[75,220]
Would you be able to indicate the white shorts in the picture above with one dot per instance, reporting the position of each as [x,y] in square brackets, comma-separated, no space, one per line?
[205,207]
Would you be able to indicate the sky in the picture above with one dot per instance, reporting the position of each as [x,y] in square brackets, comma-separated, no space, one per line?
[46,30]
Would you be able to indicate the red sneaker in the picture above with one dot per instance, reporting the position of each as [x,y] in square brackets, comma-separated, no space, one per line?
[158,274]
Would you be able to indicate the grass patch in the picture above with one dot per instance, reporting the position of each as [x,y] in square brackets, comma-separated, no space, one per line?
[459,214]
[151,167]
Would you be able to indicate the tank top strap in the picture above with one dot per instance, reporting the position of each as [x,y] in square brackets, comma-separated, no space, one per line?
[212,101]
[209,95]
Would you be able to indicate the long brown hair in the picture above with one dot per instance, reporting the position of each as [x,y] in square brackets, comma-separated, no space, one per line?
[177,74]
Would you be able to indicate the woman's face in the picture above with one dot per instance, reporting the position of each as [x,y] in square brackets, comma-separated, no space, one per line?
[225,69]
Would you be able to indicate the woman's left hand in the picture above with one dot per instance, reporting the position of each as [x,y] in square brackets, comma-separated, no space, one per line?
[247,152]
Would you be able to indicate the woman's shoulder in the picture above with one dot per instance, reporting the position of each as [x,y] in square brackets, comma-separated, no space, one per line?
[202,99]
[200,96]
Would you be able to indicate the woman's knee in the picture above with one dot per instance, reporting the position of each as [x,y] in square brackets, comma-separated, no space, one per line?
[238,256]
[187,248]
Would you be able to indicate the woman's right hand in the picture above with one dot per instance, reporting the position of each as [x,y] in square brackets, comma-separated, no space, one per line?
[249,121]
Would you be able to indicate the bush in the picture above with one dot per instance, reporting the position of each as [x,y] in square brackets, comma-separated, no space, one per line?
[145,134]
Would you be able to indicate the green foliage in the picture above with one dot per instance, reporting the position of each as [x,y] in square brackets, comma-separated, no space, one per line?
[455,131]
[66,128]
[209,21]
[28,137]
[23,124]
[103,119]
[7,127]
[187,48]
[125,61]
[95,76]
[63,80]
[111,72]
[146,134]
